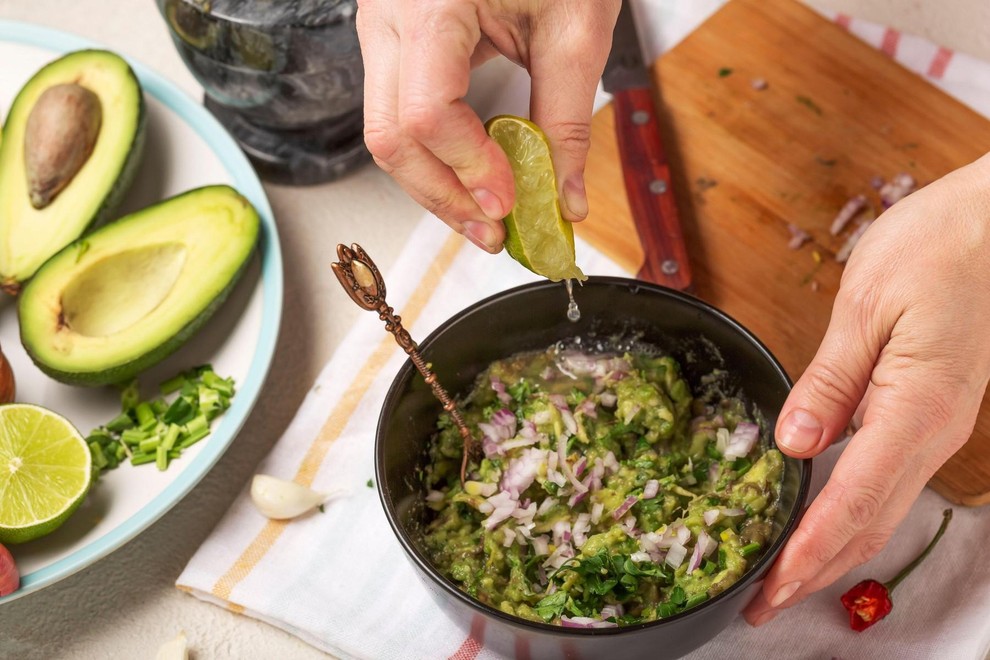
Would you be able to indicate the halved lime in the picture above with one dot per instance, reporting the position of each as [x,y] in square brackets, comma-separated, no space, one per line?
[45,471]
[535,233]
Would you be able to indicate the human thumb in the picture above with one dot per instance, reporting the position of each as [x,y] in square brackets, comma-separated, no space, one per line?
[826,396]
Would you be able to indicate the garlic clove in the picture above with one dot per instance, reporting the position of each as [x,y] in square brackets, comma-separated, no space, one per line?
[175,649]
[280,499]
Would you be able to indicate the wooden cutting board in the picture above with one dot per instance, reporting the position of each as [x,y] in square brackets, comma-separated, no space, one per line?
[835,113]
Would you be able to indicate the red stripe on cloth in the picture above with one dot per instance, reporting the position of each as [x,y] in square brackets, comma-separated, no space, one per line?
[939,63]
[890,40]
[472,646]
[843,20]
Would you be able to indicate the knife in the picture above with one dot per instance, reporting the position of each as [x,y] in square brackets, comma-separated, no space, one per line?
[644,164]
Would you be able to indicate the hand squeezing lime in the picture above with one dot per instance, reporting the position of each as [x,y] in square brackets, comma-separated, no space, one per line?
[535,233]
[44,471]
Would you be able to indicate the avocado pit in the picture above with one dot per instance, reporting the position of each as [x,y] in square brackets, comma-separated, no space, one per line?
[59,137]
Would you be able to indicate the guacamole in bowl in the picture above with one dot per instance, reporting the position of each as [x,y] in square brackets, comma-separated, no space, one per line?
[697,389]
[607,494]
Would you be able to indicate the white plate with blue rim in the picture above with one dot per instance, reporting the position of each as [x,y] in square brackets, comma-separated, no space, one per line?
[185,148]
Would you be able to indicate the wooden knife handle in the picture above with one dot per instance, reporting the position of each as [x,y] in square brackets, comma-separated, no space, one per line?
[649,189]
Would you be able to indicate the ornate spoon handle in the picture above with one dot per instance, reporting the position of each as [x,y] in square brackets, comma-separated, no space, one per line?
[363,282]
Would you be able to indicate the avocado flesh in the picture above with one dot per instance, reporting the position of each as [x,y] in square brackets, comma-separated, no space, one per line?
[120,300]
[29,236]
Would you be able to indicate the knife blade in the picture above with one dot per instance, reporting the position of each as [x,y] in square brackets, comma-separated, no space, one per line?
[645,168]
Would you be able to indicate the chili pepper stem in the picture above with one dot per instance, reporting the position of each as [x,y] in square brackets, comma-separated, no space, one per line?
[946,517]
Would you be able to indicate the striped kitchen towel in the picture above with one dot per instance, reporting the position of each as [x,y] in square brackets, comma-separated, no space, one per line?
[341,582]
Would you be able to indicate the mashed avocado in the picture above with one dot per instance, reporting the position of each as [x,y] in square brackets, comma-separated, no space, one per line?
[607,494]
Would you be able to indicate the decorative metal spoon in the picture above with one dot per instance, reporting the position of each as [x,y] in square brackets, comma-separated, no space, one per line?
[363,282]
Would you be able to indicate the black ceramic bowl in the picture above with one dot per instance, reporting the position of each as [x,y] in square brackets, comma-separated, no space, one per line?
[532,317]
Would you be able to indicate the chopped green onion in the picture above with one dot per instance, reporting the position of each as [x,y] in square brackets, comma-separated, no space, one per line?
[222,385]
[133,436]
[149,445]
[99,458]
[121,422]
[197,424]
[141,459]
[161,458]
[171,435]
[145,413]
[749,549]
[180,412]
[193,438]
[173,384]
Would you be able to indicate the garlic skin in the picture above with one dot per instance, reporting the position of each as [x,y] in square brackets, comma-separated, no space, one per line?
[176,649]
[279,499]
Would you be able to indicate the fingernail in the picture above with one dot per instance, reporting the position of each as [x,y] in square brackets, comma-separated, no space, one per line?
[489,203]
[766,617]
[574,197]
[800,432]
[784,593]
[481,234]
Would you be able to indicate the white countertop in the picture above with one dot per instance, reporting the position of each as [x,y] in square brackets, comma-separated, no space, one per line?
[126,605]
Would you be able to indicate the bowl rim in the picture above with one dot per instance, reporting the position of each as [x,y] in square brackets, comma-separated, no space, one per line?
[423,564]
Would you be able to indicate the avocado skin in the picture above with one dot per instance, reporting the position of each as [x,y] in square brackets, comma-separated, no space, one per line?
[129,168]
[124,372]
[131,164]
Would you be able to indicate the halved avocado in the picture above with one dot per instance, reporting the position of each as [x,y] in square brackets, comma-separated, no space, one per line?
[121,299]
[29,235]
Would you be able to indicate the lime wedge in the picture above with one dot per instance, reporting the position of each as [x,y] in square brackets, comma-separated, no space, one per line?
[535,233]
[45,471]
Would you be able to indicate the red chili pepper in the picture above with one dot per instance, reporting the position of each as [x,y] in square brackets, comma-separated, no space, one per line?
[869,601]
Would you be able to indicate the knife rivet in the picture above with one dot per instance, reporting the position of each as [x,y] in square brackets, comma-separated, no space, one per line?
[658,186]
[640,117]
[669,266]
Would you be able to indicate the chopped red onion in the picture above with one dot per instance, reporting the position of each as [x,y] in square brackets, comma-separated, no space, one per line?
[587,408]
[675,556]
[848,211]
[711,516]
[713,472]
[518,442]
[629,526]
[580,466]
[559,556]
[742,440]
[565,467]
[505,421]
[596,512]
[722,436]
[569,422]
[899,187]
[683,533]
[559,401]
[581,527]
[696,555]
[842,256]
[608,399]
[576,363]
[625,506]
[798,236]
[499,388]
[525,514]
[759,84]
[876,182]
[576,499]
[522,470]
[640,556]
[585,622]
[498,515]
[510,537]
[707,543]
[651,489]
[434,496]
[732,513]
[612,611]
[541,545]
[561,532]
[548,374]
[610,462]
